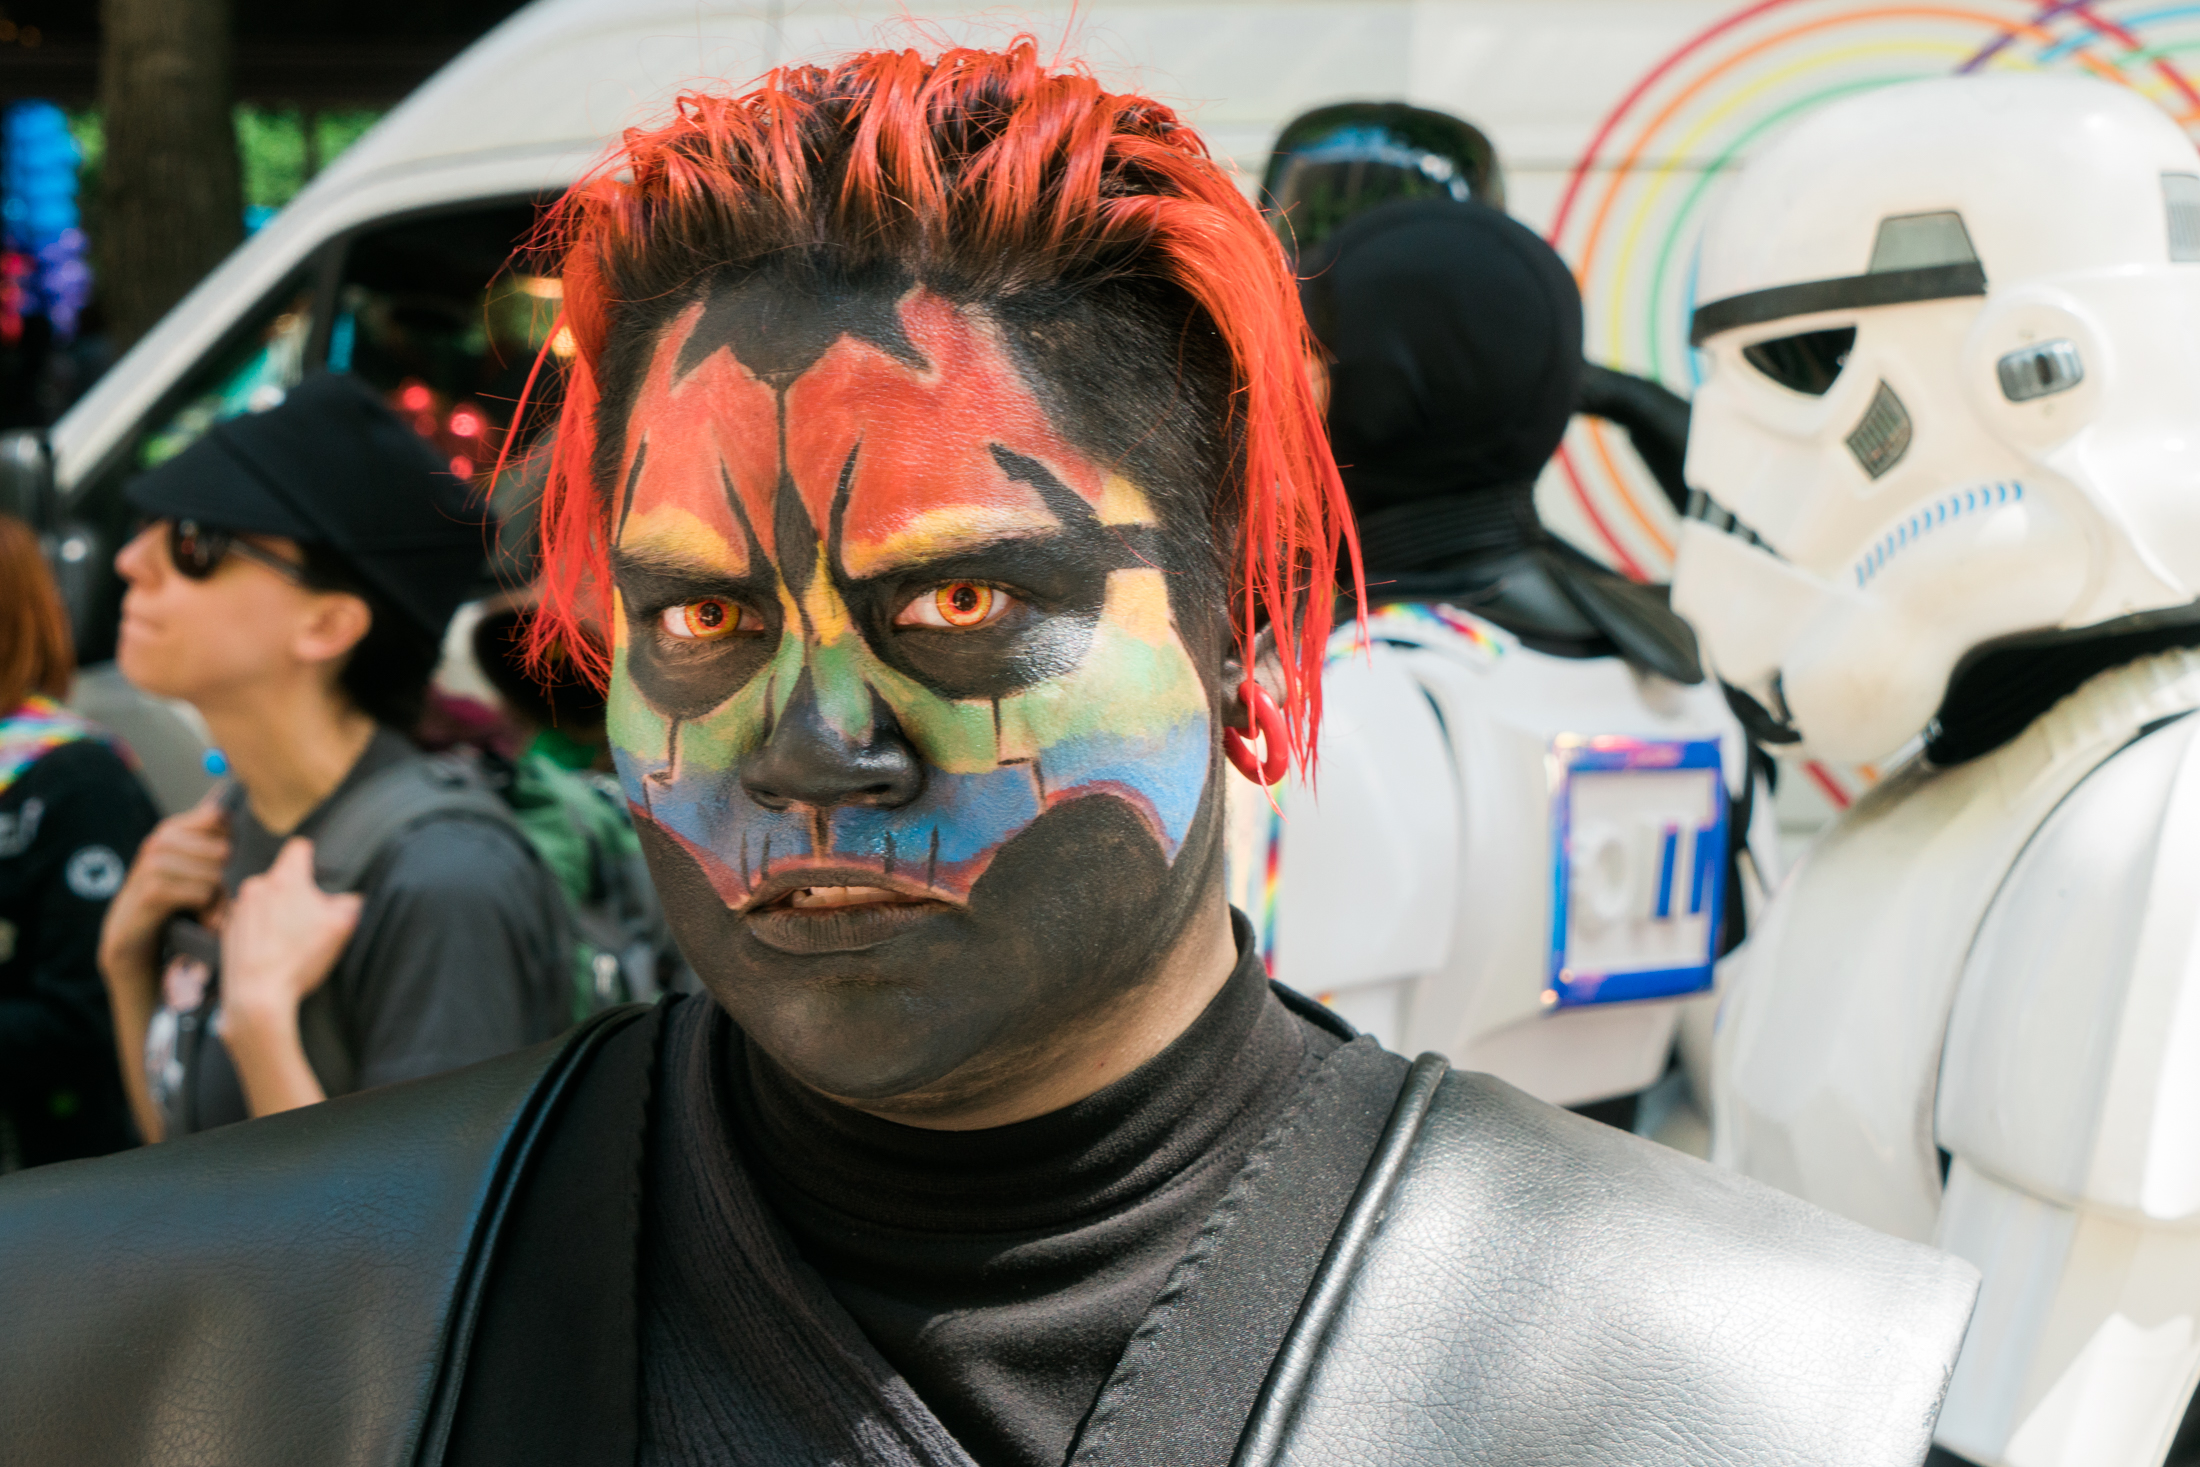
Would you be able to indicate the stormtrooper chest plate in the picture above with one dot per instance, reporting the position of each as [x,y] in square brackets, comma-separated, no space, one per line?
[1639,840]
[1504,850]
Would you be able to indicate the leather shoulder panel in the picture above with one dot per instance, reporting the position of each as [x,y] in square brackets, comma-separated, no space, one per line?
[1549,1292]
[272,1293]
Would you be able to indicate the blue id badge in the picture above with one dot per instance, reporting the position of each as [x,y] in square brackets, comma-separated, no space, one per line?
[1638,874]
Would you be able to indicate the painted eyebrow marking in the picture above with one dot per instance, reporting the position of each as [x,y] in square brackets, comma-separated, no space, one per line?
[935,533]
[950,534]
[671,564]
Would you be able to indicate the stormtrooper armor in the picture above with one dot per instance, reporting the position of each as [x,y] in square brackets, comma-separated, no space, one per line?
[1520,852]
[1947,457]
[1520,860]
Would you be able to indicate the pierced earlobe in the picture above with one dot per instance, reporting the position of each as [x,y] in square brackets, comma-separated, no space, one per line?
[1268,723]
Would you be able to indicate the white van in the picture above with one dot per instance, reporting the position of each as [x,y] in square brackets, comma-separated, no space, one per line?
[392,263]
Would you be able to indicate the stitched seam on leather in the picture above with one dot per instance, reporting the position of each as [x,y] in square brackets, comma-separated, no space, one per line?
[1092,1443]
[637,1183]
[432,1438]
[1363,1218]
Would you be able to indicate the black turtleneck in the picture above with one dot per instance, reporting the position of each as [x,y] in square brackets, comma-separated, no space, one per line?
[1002,1272]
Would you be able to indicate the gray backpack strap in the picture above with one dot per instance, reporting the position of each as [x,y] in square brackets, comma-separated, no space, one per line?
[386,806]
[390,803]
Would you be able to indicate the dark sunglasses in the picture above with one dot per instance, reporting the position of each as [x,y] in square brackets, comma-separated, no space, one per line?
[198,551]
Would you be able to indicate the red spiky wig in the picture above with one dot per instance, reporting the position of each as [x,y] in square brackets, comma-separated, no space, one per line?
[988,166]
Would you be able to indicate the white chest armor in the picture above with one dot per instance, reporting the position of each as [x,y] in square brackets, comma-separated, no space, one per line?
[1505,846]
[2002,961]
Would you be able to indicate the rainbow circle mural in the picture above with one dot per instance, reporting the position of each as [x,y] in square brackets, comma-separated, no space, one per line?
[1634,205]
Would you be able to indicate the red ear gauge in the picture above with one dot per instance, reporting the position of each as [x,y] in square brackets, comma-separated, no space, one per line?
[1268,723]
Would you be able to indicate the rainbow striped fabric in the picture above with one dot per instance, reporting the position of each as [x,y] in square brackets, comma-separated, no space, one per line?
[1421,623]
[35,729]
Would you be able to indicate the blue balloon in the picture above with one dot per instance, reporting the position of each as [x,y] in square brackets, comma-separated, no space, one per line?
[39,159]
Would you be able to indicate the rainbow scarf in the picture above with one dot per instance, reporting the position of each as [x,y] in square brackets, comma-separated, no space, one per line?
[1421,623]
[36,728]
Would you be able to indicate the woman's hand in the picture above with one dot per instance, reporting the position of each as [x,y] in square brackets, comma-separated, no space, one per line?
[281,938]
[178,869]
[282,935]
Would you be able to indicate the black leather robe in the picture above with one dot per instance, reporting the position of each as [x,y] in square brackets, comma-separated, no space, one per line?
[444,1272]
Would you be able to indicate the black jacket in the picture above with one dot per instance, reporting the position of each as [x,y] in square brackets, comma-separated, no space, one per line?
[444,1271]
[69,827]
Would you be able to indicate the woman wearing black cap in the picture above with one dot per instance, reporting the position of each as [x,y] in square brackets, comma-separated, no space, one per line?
[342,912]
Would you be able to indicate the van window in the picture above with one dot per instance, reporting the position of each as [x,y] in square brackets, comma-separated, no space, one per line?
[427,309]
[433,312]
[261,364]
[250,371]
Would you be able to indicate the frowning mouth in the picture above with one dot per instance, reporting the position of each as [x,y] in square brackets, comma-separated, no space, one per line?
[837,909]
[826,888]
[828,898]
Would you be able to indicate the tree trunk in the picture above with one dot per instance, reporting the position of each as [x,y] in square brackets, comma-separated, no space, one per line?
[172,203]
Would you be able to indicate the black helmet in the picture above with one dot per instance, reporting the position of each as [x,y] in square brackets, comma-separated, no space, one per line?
[1335,162]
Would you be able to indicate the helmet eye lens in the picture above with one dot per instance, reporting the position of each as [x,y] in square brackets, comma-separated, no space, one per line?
[1807,363]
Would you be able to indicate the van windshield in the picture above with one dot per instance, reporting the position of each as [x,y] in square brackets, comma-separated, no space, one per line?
[429,309]
[251,376]
[433,312]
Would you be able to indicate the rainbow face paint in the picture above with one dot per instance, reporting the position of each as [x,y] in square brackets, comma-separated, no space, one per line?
[881,626]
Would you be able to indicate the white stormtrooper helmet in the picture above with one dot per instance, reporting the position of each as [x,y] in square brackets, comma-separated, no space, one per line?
[1953,398]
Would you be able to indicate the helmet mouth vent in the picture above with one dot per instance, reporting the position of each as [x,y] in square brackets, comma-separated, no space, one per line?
[1702,507]
[1882,436]
[2181,201]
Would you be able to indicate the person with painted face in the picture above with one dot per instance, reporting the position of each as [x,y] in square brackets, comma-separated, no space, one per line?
[936,440]
[340,913]
[1534,921]
[1947,457]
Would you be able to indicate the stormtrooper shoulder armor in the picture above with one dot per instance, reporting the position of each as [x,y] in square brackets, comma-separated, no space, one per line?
[2072,1066]
[2069,1102]
[1381,843]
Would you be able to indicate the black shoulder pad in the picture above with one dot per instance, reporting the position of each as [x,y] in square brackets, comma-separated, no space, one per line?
[1545,1291]
[278,1292]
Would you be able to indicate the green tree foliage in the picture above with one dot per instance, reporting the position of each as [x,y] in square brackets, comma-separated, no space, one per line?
[271,147]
